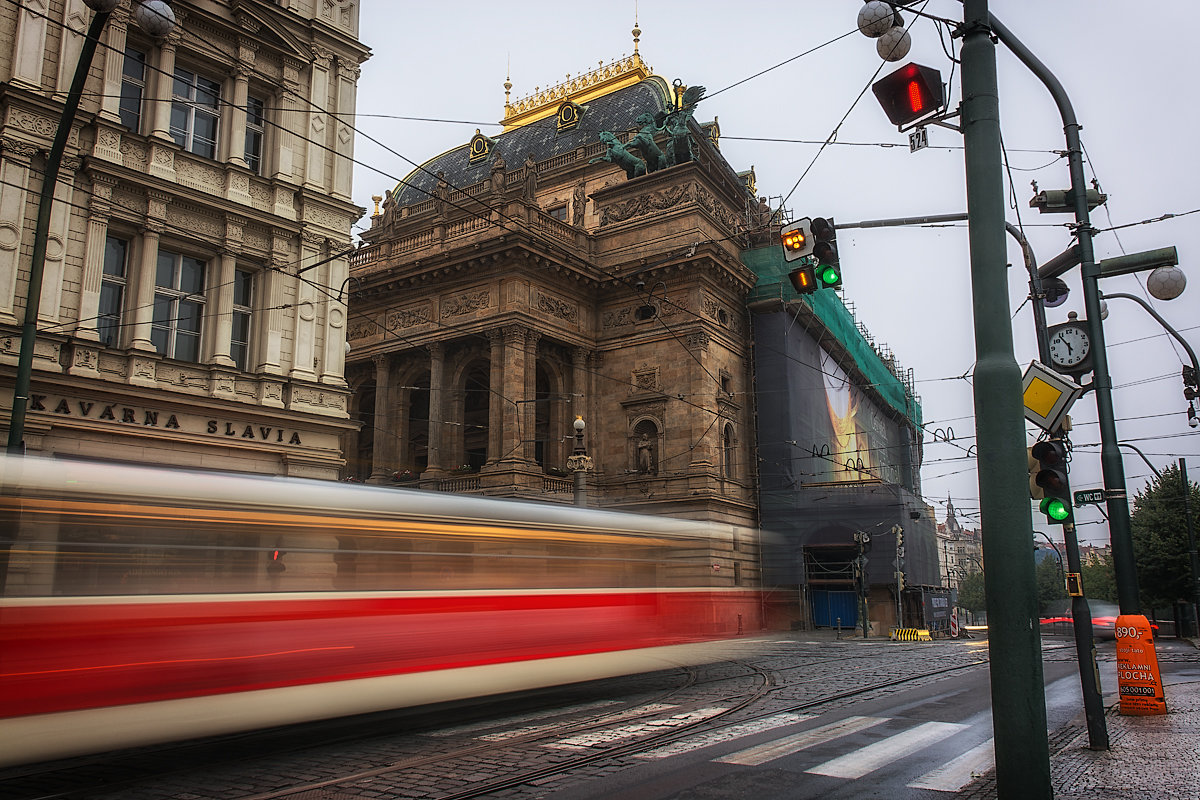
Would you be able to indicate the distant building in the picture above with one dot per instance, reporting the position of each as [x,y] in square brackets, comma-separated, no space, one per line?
[191,311]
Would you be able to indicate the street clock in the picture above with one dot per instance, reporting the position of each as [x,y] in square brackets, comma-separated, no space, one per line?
[1070,347]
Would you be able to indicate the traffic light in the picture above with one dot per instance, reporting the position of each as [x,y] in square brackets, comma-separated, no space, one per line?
[1051,456]
[824,235]
[804,280]
[796,239]
[910,94]
[1035,492]
[276,566]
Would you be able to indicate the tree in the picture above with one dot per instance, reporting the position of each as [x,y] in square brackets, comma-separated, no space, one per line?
[1050,585]
[1100,578]
[1160,541]
[970,593]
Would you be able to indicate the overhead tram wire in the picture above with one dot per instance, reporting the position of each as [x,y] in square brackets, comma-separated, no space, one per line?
[533,234]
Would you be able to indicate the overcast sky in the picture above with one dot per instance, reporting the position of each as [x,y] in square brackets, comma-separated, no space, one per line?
[1129,70]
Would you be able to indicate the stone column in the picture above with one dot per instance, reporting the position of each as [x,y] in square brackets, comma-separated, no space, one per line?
[159,89]
[114,65]
[29,51]
[142,286]
[496,402]
[437,400]
[512,391]
[343,166]
[383,425]
[221,328]
[93,261]
[304,337]
[705,434]
[318,118]
[333,363]
[529,425]
[235,127]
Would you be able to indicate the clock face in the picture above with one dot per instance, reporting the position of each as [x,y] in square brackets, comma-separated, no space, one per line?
[1069,346]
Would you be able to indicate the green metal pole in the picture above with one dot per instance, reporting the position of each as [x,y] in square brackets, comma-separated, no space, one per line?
[37,264]
[1112,467]
[1018,697]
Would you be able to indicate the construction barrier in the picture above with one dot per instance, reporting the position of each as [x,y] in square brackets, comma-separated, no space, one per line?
[911,635]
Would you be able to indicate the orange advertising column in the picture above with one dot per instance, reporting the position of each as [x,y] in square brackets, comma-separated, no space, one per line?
[1138,680]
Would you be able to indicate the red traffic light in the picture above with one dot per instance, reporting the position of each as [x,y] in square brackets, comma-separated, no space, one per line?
[911,94]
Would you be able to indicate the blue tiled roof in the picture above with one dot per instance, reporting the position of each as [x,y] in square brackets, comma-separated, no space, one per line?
[612,112]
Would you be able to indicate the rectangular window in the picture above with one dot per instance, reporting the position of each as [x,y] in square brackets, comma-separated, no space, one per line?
[243,299]
[559,213]
[178,306]
[133,87]
[254,134]
[112,291]
[195,113]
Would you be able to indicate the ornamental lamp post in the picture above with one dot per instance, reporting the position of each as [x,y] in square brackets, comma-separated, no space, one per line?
[157,19]
[580,463]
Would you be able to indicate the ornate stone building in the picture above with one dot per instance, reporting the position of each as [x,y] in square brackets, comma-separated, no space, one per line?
[191,311]
[582,263]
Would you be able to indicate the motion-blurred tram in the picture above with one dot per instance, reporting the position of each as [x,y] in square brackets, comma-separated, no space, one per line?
[144,605]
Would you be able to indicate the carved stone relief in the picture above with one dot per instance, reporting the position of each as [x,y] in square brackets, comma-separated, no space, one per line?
[465,303]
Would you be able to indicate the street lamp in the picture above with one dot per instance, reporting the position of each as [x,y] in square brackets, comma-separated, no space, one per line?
[580,463]
[158,19]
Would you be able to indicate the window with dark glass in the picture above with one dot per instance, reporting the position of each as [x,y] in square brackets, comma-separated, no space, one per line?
[195,113]
[559,213]
[133,87]
[243,297]
[112,291]
[178,306]
[254,134]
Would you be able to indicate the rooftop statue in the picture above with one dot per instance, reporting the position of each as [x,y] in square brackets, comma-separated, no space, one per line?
[619,155]
[644,142]
[679,148]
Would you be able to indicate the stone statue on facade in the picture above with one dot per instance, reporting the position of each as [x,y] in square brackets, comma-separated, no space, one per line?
[578,205]
[531,179]
[441,195]
[617,154]
[645,453]
[498,171]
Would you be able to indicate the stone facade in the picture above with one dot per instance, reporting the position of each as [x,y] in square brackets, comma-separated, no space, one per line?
[192,309]
[515,283]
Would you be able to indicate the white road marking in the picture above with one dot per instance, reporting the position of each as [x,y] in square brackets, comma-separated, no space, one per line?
[953,776]
[873,756]
[496,723]
[761,754]
[726,734]
[610,736]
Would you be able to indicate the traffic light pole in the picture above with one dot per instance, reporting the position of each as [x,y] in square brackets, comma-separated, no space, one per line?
[1110,454]
[1017,688]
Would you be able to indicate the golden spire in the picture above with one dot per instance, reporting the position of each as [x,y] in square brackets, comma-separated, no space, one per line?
[637,32]
[507,81]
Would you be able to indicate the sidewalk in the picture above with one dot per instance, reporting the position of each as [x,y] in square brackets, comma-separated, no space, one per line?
[1149,758]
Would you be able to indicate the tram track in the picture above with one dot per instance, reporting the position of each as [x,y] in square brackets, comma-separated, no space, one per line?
[754,681]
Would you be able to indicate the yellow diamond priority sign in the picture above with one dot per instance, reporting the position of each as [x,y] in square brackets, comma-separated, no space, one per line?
[1047,395]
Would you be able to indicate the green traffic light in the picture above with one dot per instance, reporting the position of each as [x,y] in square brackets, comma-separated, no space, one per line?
[829,275]
[1055,508]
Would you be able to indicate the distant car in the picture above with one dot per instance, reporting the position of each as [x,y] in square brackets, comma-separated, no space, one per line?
[1058,618]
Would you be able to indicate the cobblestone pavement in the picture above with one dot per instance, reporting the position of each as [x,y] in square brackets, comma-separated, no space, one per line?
[1150,757]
